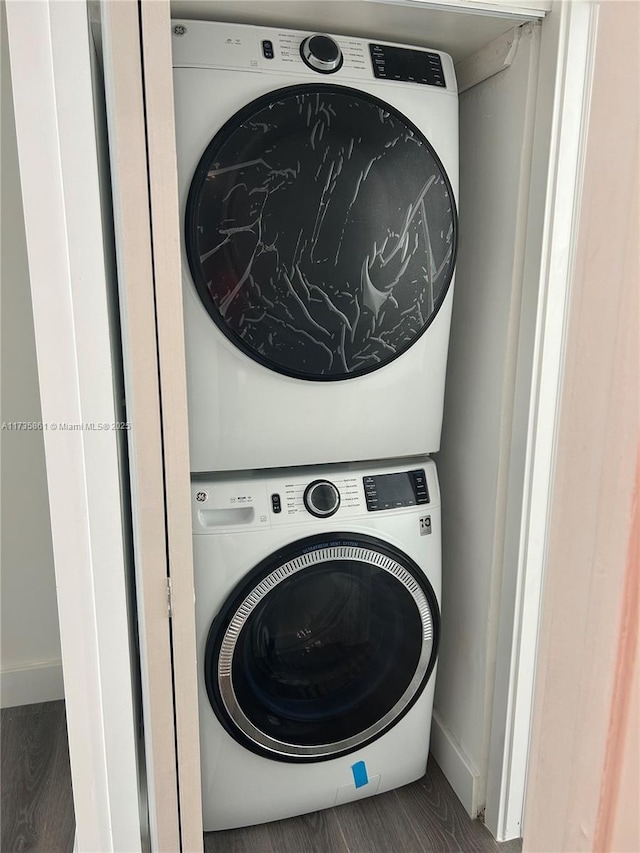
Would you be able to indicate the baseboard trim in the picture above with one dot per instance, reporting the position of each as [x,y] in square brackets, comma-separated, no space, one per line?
[457,767]
[25,685]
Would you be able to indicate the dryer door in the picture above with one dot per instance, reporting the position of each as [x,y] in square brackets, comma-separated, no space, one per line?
[321,232]
[324,648]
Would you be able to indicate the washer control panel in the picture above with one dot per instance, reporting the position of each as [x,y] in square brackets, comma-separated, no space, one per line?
[315,495]
[320,497]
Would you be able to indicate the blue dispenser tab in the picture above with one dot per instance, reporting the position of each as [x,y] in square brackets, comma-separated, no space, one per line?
[360,777]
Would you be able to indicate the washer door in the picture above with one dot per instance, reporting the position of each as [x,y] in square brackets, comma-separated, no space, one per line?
[321,232]
[324,647]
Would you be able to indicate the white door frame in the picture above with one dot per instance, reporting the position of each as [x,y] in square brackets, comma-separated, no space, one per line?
[562,113]
[51,75]
[136,48]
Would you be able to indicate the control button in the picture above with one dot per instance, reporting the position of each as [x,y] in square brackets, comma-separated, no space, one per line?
[267,49]
[420,486]
[321,498]
[276,505]
[321,53]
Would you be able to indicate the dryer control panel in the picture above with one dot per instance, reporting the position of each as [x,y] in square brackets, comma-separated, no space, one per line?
[212,44]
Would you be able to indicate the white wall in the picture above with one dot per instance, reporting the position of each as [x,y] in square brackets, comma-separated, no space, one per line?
[495,131]
[30,664]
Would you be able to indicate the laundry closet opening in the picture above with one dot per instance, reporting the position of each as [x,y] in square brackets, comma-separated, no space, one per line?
[492,332]
[285,396]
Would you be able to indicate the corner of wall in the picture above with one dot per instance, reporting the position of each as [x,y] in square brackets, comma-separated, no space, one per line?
[35,682]
[457,767]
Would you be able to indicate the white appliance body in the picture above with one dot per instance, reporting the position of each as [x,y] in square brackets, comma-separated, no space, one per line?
[242,413]
[238,540]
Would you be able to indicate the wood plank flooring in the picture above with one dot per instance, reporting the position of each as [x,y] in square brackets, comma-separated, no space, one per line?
[425,817]
[35,780]
[37,808]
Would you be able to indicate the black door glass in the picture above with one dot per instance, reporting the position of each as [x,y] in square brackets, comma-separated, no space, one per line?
[321,232]
[325,655]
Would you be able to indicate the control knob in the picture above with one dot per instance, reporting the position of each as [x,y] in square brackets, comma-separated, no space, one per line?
[321,53]
[321,498]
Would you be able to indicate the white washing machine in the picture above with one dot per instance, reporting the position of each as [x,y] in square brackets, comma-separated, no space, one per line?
[317,618]
[317,177]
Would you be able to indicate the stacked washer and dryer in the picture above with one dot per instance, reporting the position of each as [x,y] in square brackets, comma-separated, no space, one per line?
[317,176]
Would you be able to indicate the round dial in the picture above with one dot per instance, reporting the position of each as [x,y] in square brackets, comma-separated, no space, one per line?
[321,53]
[321,498]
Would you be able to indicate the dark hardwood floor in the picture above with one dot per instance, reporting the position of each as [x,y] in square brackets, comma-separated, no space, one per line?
[425,817]
[37,808]
[35,780]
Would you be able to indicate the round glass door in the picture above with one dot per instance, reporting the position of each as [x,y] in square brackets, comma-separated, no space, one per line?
[324,648]
[321,232]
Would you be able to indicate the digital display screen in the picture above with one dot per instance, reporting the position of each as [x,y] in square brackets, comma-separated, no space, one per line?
[395,489]
[415,66]
[391,491]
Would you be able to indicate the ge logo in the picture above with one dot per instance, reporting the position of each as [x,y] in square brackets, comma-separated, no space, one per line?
[201,496]
[179,30]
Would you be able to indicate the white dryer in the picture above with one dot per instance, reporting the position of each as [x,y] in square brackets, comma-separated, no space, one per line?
[317,177]
[317,618]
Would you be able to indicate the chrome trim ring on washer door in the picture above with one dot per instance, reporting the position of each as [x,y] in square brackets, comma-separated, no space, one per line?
[347,552]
